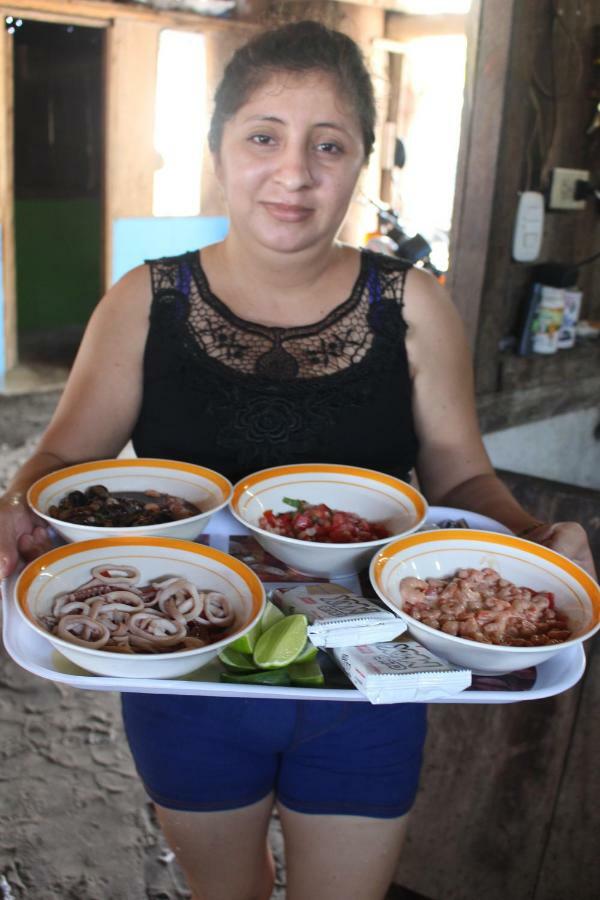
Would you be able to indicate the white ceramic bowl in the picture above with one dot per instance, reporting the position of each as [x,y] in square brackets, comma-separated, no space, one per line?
[209,490]
[373,495]
[438,554]
[69,566]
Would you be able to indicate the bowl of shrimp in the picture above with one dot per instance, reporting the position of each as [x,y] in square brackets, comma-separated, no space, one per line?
[325,519]
[139,607]
[125,497]
[490,602]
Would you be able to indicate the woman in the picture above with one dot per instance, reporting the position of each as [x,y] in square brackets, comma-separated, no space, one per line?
[280,345]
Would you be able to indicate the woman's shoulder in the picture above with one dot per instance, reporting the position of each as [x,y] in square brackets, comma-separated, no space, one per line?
[172,261]
[172,273]
[386,263]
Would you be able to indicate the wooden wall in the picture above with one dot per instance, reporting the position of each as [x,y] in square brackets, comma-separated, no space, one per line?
[558,53]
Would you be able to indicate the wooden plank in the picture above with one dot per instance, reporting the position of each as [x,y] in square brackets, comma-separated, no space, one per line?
[567,236]
[131,51]
[480,823]
[60,18]
[479,151]
[7,200]
[395,63]
[139,13]
[408,27]
[219,48]
[533,403]
[569,866]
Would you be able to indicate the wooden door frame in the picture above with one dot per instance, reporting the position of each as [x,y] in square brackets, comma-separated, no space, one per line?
[55,14]
[86,13]
[488,28]
[8,327]
[489,32]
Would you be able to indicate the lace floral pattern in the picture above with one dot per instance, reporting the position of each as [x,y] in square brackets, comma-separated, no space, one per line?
[338,342]
[237,396]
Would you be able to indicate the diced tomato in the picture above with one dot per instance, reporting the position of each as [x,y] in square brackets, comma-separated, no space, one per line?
[317,522]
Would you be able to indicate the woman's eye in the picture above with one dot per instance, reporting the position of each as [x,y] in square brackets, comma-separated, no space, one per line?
[329,147]
[261,139]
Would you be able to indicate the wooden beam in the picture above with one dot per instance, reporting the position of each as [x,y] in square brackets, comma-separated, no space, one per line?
[488,39]
[107,12]
[408,28]
[131,160]
[8,328]
[404,7]
[33,15]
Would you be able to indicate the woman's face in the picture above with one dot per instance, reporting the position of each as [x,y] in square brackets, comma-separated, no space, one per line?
[289,161]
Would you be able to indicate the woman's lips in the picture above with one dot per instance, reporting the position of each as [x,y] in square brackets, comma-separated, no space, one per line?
[288,212]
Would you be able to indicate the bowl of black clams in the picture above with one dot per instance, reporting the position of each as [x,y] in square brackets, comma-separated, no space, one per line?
[137,497]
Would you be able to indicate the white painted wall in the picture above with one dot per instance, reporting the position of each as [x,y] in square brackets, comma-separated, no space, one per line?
[562,448]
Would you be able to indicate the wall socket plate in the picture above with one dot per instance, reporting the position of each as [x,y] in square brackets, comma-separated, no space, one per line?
[562,188]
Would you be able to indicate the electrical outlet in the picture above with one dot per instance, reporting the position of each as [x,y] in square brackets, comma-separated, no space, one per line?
[562,188]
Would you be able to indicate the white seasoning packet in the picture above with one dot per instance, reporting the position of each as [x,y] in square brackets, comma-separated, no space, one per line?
[400,672]
[337,617]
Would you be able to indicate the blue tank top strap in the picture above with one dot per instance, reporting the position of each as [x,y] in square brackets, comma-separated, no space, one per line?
[184,277]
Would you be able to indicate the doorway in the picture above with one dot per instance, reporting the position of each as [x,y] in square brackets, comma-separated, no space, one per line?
[58,186]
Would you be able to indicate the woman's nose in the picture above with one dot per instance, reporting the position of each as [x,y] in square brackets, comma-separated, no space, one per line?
[294,171]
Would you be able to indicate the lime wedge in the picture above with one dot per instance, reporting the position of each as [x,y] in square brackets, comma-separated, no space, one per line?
[239,662]
[276,677]
[281,643]
[306,674]
[247,642]
[271,615]
[308,653]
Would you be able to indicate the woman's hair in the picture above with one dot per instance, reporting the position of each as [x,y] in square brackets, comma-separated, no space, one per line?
[297,47]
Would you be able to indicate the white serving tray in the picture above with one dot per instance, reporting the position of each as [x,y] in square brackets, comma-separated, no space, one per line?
[35,654]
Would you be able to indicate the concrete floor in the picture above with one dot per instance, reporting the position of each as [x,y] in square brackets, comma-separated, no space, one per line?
[25,379]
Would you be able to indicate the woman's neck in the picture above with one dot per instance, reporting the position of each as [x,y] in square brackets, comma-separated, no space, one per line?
[277,271]
[280,289]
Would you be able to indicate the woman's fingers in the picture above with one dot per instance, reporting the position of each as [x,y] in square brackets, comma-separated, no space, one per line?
[34,544]
[8,561]
[570,539]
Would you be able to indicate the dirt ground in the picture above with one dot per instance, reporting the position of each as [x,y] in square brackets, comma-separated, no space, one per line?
[75,823]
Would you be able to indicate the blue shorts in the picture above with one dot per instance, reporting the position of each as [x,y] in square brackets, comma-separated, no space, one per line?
[212,753]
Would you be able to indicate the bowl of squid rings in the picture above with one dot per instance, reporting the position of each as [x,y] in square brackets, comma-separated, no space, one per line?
[139,607]
[493,603]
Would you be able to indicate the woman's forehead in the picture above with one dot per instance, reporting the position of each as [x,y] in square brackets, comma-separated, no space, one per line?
[318,89]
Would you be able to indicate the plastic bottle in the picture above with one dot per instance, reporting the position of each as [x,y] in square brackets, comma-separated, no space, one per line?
[547,320]
[572,306]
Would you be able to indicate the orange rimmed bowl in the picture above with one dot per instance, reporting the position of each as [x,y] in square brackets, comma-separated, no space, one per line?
[374,495]
[438,554]
[67,567]
[206,489]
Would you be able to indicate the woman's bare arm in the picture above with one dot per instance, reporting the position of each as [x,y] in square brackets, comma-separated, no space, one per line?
[96,413]
[453,466]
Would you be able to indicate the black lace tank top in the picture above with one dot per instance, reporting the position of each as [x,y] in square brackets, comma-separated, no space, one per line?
[237,396]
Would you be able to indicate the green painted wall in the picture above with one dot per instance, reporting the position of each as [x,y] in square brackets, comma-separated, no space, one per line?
[58,261]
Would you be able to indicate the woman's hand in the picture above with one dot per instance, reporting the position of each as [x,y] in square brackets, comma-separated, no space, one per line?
[21,533]
[568,538]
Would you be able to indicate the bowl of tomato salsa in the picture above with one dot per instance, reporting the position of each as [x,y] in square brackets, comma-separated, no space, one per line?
[324,519]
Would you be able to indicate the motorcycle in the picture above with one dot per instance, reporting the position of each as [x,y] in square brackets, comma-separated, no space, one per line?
[393,239]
